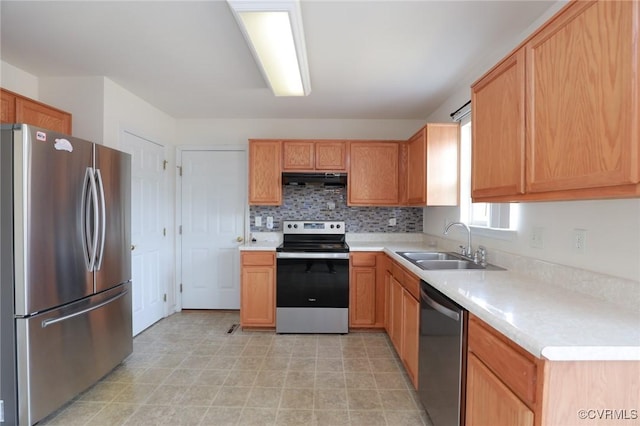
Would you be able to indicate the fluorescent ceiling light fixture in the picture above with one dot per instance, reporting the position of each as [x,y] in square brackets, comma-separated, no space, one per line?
[273,30]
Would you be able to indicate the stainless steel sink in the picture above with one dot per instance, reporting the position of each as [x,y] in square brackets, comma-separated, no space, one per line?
[434,260]
[425,255]
[448,264]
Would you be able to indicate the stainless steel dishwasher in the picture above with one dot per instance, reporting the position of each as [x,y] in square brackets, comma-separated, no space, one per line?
[442,357]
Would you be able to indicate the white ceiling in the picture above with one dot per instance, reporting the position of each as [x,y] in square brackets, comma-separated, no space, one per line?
[368,59]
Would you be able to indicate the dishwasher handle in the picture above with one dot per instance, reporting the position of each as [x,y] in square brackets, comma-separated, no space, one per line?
[438,307]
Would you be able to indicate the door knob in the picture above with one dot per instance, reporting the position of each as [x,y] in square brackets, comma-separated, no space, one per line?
[133,247]
[239,239]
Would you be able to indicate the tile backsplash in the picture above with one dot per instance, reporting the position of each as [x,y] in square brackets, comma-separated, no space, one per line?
[315,202]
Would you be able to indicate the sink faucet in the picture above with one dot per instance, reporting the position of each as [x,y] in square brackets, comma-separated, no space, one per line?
[465,251]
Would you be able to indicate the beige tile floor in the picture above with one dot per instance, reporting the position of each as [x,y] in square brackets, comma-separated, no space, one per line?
[187,370]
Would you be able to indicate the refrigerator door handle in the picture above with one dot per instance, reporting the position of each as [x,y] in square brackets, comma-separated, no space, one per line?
[49,322]
[92,234]
[103,221]
[85,219]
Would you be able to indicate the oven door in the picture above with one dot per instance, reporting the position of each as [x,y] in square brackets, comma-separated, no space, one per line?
[312,280]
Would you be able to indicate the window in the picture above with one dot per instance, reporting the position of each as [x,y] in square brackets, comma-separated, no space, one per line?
[496,216]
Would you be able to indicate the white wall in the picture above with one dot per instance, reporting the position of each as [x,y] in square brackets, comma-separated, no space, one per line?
[238,131]
[613,226]
[83,97]
[18,80]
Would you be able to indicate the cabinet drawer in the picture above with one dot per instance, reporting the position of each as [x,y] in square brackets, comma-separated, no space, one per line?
[509,363]
[258,259]
[363,259]
[412,284]
[397,272]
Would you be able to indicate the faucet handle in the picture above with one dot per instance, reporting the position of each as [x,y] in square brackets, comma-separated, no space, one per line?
[482,252]
[463,250]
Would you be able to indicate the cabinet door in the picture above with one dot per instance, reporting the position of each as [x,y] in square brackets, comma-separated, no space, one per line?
[498,129]
[582,93]
[31,112]
[265,172]
[298,156]
[7,107]
[373,174]
[410,335]
[396,315]
[417,168]
[489,401]
[331,156]
[443,152]
[362,300]
[258,290]
[387,303]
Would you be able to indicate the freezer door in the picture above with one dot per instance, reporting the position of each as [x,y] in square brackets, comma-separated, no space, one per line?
[113,175]
[50,172]
[62,352]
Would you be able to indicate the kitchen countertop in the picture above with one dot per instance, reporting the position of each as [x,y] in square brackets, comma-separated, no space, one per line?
[547,320]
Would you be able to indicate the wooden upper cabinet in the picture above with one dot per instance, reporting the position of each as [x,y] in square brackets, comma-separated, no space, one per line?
[559,118]
[373,173]
[432,165]
[265,172]
[498,129]
[7,107]
[583,98]
[304,155]
[19,109]
[416,168]
[298,155]
[331,156]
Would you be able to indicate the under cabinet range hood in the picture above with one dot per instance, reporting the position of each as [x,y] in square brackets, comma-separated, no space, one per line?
[327,179]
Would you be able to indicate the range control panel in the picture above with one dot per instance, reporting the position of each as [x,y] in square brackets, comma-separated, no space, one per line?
[313,227]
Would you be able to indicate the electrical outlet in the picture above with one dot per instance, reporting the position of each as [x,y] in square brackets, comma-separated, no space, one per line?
[269,222]
[537,239]
[580,240]
[331,205]
[392,221]
[258,221]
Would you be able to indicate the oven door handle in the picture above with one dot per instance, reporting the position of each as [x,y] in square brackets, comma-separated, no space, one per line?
[302,255]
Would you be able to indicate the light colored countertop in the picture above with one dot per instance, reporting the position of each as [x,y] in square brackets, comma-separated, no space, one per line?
[547,320]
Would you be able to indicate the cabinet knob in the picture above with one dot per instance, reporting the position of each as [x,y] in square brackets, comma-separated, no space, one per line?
[133,247]
[239,239]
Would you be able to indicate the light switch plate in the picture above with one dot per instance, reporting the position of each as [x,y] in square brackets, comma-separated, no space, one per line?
[258,221]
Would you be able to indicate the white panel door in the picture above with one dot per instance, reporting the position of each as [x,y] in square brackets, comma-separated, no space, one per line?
[148,206]
[213,188]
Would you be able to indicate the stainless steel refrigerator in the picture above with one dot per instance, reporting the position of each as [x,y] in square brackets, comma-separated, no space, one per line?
[65,268]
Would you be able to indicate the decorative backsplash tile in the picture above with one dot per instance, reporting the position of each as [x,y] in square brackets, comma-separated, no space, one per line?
[314,202]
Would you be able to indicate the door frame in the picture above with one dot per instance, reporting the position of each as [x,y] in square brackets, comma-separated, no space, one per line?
[178,209]
[168,247]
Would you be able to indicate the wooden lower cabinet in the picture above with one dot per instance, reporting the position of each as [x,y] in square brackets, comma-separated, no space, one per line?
[403,324]
[395,315]
[507,385]
[502,379]
[258,289]
[410,335]
[366,291]
[491,402]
